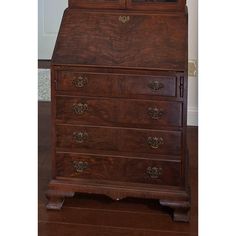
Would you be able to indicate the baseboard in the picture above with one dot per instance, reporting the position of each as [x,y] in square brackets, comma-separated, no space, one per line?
[192,116]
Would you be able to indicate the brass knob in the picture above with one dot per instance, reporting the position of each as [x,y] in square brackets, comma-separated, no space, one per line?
[80,108]
[80,137]
[80,81]
[80,166]
[155,142]
[155,113]
[154,172]
[156,86]
[124,19]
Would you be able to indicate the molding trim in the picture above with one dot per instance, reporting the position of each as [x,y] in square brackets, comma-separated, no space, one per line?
[192,66]
[192,116]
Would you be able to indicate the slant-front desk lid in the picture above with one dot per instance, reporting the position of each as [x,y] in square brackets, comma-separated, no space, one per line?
[122,40]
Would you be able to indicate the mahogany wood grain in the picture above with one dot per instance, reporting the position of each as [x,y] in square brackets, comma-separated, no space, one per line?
[94,214]
[116,85]
[116,139]
[59,68]
[131,45]
[118,112]
[118,169]
[128,46]
[57,229]
[181,209]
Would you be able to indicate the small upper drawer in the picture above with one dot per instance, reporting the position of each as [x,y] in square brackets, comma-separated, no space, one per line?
[120,85]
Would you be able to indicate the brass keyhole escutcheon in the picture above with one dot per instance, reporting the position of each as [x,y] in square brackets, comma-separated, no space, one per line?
[124,19]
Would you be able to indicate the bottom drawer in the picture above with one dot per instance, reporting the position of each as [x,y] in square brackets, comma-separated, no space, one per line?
[116,168]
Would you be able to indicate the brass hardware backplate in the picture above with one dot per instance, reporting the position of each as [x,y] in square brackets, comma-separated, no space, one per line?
[80,108]
[155,113]
[80,137]
[80,81]
[154,172]
[155,142]
[156,86]
[80,166]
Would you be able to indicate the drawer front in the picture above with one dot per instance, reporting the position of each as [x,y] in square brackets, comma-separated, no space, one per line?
[87,139]
[120,169]
[116,85]
[101,111]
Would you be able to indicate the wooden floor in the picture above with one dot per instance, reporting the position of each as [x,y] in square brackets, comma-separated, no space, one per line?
[89,215]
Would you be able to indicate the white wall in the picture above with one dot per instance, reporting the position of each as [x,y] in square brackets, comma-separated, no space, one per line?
[49,18]
[193,57]
[50,14]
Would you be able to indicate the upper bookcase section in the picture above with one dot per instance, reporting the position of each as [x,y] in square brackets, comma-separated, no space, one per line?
[162,5]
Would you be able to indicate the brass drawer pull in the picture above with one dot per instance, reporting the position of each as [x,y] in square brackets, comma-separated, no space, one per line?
[154,172]
[124,19]
[156,86]
[80,137]
[80,166]
[79,82]
[80,108]
[155,142]
[155,113]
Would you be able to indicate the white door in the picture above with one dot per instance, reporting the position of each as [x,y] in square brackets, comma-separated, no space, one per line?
[49,18]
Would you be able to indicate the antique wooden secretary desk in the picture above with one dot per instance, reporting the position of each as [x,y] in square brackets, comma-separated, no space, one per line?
[119,102]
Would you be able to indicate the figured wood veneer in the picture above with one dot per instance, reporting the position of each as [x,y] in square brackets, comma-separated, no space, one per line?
[120,169]
[118,112]
[116,85]
[119,103]
[100,39]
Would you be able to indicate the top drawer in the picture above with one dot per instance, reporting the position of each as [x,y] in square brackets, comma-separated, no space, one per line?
[116,84]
